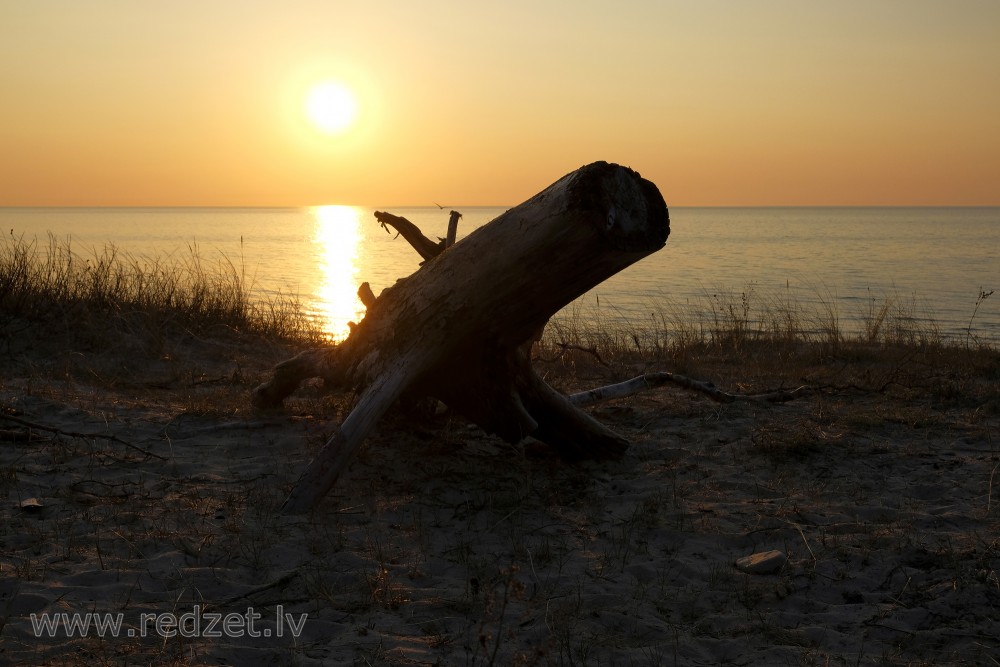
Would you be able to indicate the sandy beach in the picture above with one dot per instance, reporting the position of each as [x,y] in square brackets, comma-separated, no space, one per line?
[147,492]
[487,204]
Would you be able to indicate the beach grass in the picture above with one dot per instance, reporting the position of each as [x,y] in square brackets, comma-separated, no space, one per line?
[747,319]
[109,289]
[105,313]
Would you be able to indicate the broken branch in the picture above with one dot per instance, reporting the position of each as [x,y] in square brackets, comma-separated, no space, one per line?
[426,248]
[653,380]
[366,295]
[83,436]
[452,229]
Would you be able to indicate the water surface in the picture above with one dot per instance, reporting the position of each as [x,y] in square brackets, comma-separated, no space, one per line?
[932,261]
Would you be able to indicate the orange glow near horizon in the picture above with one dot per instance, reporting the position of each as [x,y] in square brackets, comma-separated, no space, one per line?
[768,103]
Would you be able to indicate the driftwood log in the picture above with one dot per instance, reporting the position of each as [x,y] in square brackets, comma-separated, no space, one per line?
[461,327]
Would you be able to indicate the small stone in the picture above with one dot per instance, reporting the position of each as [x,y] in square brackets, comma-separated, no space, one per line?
[30,505]
[764,562]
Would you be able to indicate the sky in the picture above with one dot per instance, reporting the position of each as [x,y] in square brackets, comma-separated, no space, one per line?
[464,103]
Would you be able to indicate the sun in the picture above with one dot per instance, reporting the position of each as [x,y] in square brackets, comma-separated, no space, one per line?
[331,107]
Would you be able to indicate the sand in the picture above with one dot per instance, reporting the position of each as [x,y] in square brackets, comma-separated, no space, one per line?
[155,494]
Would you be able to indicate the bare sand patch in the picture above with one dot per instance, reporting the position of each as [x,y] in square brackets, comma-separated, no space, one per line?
[158,490]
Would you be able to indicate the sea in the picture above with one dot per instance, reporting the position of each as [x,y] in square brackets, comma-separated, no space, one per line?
[932,268]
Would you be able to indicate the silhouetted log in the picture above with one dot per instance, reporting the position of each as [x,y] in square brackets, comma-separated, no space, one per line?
[460,328]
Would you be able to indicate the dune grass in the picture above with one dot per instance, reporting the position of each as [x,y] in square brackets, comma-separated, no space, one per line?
[741,326]
[112,300]
[738,321]
[108,290]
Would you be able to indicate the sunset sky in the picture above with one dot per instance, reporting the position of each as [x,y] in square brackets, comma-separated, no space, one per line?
[768,102]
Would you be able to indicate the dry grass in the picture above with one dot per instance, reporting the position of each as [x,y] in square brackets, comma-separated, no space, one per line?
[442,545]
[110,317]
[109,290]
[734,321]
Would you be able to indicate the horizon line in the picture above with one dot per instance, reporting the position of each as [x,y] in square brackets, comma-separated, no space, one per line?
[459,206]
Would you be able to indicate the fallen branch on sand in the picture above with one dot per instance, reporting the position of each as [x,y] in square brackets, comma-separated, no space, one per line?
[653,380]
[84,436]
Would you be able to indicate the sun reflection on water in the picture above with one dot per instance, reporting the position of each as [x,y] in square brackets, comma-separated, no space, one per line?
[337,237]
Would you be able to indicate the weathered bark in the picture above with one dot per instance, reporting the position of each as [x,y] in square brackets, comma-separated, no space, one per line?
[460,328]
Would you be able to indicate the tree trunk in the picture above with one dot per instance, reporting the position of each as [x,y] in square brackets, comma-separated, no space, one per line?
[460,328]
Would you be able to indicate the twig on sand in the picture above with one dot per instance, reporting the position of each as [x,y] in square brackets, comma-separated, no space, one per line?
[804,540]
[18,435]
[989,490]
[653,380]
[280,581]
[74,434]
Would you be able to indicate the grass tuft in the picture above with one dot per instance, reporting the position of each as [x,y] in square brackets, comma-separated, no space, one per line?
[733,323]
[109,290]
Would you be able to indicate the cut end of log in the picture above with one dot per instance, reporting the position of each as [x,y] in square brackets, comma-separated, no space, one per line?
[630,210]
